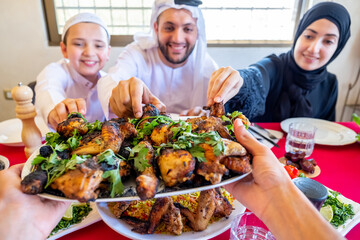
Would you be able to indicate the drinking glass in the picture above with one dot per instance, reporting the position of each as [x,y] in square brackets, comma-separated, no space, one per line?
[248,226]
[300,138]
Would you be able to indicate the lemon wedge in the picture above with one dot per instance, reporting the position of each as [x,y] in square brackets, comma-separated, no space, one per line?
[78,204]
[69,213]
[327,213]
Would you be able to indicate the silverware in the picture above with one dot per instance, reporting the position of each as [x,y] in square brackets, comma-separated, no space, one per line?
[251,128]
[265,130]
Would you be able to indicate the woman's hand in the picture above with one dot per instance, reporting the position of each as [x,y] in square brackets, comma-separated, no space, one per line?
[224,84]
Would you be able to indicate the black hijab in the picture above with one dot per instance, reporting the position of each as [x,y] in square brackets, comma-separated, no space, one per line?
[297,83]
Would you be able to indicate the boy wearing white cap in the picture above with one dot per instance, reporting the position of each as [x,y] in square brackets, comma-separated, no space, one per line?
[69,85]
[168,66]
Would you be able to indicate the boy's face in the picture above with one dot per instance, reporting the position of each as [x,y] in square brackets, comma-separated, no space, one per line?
[87,49]
[177,34]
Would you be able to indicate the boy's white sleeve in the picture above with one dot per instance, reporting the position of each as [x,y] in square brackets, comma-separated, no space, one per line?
[49,89]
[125,68]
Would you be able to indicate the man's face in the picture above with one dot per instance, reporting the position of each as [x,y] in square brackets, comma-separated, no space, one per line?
[87,49]
[177,34]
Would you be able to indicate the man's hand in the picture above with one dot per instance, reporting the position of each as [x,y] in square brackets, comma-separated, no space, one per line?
[128,96]
[62,110]
[224,84]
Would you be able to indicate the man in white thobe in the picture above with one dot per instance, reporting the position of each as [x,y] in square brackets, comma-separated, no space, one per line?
[171,61]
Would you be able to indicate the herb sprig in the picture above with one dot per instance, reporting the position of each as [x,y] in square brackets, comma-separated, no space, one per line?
[230,118]
[113,176]
[191,142]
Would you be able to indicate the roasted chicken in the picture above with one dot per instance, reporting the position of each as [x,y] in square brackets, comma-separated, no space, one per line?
[176,166]
[199,219]
[34,183]
[146,181]
[72,123]
[81,182]
[208,124]
[210,203]
[234,158]
[111,137]
[163,210]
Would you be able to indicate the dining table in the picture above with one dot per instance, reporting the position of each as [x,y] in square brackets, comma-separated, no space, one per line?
[339,165]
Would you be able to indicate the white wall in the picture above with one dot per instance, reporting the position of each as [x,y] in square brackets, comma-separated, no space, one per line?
[24,50]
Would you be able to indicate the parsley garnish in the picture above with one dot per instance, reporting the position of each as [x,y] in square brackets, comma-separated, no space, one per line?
[231,119]
[342,211]
[113,176]
[191,142]
[56,167]
[147,128]
[138,153]
[95,126]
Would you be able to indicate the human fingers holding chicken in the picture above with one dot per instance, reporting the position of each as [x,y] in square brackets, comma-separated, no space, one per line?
[223,85]
[128,96]
[61,110]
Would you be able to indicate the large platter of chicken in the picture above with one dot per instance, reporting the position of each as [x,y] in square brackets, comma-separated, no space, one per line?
[131,159]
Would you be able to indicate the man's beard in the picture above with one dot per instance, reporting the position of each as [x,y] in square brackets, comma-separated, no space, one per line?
[165,52]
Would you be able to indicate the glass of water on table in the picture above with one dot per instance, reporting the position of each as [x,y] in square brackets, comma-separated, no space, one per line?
[300,138]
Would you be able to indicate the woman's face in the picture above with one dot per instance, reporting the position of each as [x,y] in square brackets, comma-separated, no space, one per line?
[316,45]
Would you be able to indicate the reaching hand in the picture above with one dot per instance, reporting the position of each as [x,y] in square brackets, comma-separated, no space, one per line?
[224,84]
[128,96]
[62,110]
[25,216]
[267,173]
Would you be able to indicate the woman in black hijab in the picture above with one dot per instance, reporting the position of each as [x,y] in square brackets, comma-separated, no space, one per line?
[297,83]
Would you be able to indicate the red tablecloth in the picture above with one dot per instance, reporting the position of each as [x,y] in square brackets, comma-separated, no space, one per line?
[340,167]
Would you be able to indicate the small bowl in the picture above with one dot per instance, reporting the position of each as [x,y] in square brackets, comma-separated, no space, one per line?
[313,190]
[4,162]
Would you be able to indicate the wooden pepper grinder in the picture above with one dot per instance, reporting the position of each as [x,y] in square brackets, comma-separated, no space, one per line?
[25,111]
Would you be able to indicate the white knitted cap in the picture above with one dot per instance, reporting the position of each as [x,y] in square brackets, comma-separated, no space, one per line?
[84,17]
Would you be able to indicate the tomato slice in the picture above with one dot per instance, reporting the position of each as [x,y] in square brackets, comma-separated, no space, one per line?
[292,171]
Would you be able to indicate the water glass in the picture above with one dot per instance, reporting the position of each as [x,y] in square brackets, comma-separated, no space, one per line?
[300,138]
[248,226]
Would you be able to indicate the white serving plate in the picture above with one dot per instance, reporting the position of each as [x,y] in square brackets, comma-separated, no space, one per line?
[327,133]
[350,223]
[10,131]
[93,217]
[212,230]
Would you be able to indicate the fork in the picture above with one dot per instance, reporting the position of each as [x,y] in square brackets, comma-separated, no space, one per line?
[269,133]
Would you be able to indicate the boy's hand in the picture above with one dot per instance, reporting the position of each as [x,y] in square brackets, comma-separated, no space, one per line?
[224,84]
[128,96]
[62,110]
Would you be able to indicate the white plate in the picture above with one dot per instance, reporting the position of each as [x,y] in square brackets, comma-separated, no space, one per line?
[93,217]
[327,133]
[212,230]
[10,131]
[350,223]
[130,183]
[5,161]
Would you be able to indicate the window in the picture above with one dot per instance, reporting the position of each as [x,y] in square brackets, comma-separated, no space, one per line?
[228,22]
